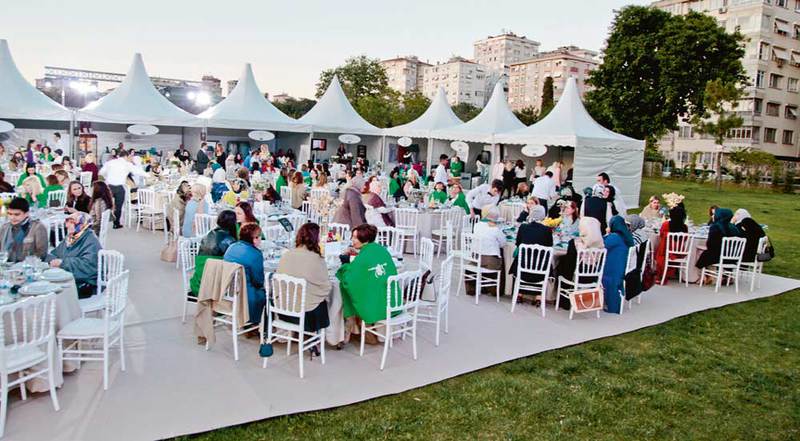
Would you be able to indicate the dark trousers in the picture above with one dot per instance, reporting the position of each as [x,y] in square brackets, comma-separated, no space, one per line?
[543,203]
[118,191]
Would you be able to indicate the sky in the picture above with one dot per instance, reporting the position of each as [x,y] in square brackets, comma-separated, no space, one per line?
[288,42]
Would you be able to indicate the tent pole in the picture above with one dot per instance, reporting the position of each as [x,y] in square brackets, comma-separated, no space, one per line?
[310,150]
[72,152]
[430,153]
[383,157]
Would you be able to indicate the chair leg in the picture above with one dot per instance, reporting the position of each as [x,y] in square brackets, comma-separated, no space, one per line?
[387,339]
[322,346]
[122,348]
[185,305]
[414,338]
[438,326]
[235,341]
[4,403]
[447,318]
[300,338]
[497,288]
[361,350]
[105,363]
[478,287]
[460,277]
[22,392]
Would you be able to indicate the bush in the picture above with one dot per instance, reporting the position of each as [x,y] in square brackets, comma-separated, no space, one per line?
[777,173]
[788,181]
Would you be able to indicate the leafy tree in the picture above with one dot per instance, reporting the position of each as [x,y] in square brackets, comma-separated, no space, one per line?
[656,67]
[295,107]
[527,115]
[547,97]
[465,111]
[719,116]
[378,110]
[414,104]
[751,161]
[360,76]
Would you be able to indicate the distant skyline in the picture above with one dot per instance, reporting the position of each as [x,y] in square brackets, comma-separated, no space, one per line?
[289,44]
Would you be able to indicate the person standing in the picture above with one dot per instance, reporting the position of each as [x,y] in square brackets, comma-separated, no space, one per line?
[116,173]
[441,171]
[456,167]
[60,143]
[544,189]
[201,162]
[219,155]
[483,195]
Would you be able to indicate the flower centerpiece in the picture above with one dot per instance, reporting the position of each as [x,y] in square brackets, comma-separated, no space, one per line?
[672,199]
[551,223]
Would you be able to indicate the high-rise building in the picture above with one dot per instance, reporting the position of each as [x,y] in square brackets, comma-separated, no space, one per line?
[462,79]
[404,73]
[526,78]
[772,63]
[498,52]
[232,85]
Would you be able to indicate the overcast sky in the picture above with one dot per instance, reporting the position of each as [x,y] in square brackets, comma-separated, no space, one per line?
[288,42]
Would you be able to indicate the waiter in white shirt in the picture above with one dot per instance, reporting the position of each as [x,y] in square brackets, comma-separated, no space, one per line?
[544,188]
[483,195]
[441,171]
[116,173]
[60,144]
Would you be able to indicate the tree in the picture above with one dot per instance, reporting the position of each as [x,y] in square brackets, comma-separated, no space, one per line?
[295,107]
[656,67]
[528,115]
[719,116]
[465,111]
[547,97]
[360,76]
[378,110]
[414,104]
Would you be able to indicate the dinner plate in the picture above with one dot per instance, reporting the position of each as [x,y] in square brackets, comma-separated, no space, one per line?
[39,288]
[56,275]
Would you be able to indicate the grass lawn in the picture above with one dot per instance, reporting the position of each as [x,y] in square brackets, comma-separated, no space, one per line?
[726,374]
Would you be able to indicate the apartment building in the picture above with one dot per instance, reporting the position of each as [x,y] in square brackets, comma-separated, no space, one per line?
[772,63]
[498,52]
[404,73]
[526,78]
[462,79]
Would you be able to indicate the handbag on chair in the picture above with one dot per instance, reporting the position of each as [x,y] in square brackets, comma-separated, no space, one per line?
[170,252]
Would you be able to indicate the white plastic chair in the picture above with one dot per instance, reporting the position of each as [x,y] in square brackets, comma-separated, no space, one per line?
[86,181]
[110,264]
[407,223]
[754,269]
[390,238]
[232,318]
[108,330]
[462,257]
[535,260]
[588,275]
[129,209]
[27,336]
[105,224]
[203,224]
[648,258]
[288,299]
[402,303]
[630,266]
[679,255]
[730,260]
[426,255]
[188,247]
[59,228]
[471,269]
[342,230]
[441,236]
[318,193]
[436,310]
[146,208]
[275,232]
[59,196]
[286,194]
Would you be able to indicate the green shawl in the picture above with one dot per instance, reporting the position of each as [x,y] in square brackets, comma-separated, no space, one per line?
[363,283]
[461,201]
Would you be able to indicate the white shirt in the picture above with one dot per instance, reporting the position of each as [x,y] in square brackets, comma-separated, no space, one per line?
[117,170]
[62,144]
[441,175]
[544,188]
[480,197]
[489,240]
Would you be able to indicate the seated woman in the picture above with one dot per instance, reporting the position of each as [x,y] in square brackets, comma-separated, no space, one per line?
[213,246]
[30,189]
[617,242]
[101,201]
[282,180]
[589,237]
[305,261]
[219,185]
[182,196]
[412,182]
[90,166]
[78,253]
[77,199]
[675,224]
[533,212]
[721,228]
[30,170]
[52,185]
[237,193]
[5,187]
[750,230]
[396,184]
[711,211]
[196,205]
[311,179]
[636,225]
[246,253]
[363,280]
[298,188]
[458,198]
[376,212]
[523,190]
[569,220]
[322,181]
[439,193]
[652,210]
[491,240]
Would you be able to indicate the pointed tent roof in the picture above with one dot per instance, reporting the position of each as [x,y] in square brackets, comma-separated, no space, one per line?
[333,113]
[19,99]
[439,115]
[569,124]
[495,118]
[246,108]
[136,101]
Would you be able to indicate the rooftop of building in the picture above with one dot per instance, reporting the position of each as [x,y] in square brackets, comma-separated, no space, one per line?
[508,34]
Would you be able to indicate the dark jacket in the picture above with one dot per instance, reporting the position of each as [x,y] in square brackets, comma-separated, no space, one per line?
[751,231]
[532,233]
[352,210]
[202,162]
[597,208]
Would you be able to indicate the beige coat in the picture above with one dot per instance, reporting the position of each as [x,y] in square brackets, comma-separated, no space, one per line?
[305,264]
[217,276]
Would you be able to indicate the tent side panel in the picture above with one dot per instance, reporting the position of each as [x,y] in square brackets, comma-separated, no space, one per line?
[623,166]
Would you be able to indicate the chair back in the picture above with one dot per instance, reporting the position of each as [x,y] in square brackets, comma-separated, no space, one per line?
[57,196]
[86,179]
[105,223]
[466,243]
[632,256]
[343,230]
[402,293]
[732,251]
[305,208]
[389,237]
[25,325]
[261,207]
[288,295]
[761,247]
[426,255]
[274,232]
[647,255]
[286,194]
[116,300]
[406,218]
[318,193]
[109,264]
[468,223]
[297,220]
[59,229]
[679,244]
[590,264]
[233,286]
[188,247]
[146,198]
[453,215]
[534,259]
[445,280]
[203,223]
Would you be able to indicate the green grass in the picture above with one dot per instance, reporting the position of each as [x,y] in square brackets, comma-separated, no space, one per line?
[726,374]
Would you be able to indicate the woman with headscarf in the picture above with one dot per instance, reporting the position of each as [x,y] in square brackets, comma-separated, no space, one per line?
[78,253]
[196,205]
[750,230]
[219,185]
[652,210]
[352,210]
[238,192]
[721,228]
[182,196]
[617,243]
[589,236]
[376,212]
[636,225]
[675,224]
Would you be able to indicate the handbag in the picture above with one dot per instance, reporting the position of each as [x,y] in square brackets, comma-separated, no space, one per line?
[587,300]
[768,254]
[170,252]
[265,350]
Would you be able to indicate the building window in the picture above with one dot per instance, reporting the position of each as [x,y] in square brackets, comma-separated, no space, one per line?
[775,81]
[782,3]
[769,135]
[760,79]
[773,109]
[685,132]
[788,137]
[763,51]
[792,85]
[781,27]
[756,134]
[791,112]
[740,133]
[758,103]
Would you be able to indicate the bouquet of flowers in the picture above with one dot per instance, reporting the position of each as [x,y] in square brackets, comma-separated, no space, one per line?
[551,223]
[348,156]
[672,199]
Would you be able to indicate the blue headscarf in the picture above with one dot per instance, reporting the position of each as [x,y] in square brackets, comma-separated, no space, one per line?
[617,225]
[722,219]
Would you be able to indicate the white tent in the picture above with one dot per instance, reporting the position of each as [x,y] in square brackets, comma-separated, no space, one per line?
[136,101]
[19,99]
[246,108]
[333,113]
[597,149]
[494,119]
[439,115]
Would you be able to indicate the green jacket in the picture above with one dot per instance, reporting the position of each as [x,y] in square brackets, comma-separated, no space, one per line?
[456,168]
[363,283]
[461,201]
[24,176]
[439,196]
[42,198]
[280,182]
